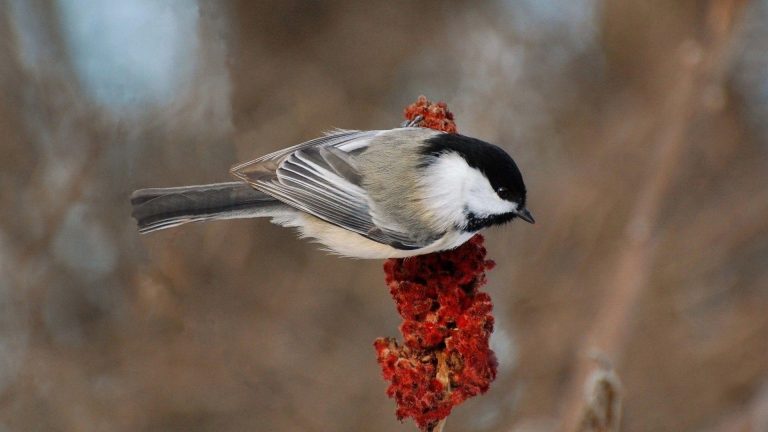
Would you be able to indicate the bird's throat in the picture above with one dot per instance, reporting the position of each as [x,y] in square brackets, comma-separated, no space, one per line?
[475,223]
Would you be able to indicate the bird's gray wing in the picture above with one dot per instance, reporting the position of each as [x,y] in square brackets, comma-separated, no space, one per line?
[319,177]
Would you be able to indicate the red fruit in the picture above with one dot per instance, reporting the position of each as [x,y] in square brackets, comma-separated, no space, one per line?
[447,321]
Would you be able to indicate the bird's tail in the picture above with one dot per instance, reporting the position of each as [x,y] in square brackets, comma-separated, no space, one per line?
[156,209]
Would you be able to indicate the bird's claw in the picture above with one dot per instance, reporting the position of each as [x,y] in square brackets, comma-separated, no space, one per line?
[412,123]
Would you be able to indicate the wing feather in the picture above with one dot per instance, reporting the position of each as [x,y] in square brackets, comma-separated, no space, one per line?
[320,177]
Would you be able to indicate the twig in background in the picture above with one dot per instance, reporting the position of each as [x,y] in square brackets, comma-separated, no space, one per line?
[754,418]
[602,409]
[700,65]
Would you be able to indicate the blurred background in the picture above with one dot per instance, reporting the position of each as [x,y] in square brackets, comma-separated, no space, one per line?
[640,126]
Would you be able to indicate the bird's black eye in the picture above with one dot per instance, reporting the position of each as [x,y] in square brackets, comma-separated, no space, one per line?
[504,193]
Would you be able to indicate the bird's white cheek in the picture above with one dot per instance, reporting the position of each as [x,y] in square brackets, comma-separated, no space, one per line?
[482,200]
[450,187]
[443,190]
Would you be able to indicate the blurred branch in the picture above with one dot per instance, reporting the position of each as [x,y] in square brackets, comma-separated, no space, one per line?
[602,409]
[754,418]
[443,376]
[55,217]
[700,65]
[56,94]
[440,425]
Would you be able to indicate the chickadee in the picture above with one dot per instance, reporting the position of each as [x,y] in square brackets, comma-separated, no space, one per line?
[365,194]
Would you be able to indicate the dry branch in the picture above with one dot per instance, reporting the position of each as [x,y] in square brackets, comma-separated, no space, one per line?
[700,66]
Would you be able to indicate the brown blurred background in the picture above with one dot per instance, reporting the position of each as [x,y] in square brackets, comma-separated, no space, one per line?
[640,127]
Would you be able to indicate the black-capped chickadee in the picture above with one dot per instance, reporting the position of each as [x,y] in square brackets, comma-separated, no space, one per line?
[364,194]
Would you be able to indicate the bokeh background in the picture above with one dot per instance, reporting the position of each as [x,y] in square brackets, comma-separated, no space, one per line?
[640,126]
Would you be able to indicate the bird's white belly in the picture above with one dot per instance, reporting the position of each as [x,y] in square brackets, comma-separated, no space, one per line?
[350,244]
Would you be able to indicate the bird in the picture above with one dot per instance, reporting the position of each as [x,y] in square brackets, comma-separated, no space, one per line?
[374,194]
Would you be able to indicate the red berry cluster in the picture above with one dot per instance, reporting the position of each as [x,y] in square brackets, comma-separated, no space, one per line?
[446,325]
[434,115]
[447,321]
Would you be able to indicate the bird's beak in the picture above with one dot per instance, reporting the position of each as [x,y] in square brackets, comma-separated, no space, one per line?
[525,215]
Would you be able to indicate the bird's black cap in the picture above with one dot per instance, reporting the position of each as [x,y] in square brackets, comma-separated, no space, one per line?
[500,169]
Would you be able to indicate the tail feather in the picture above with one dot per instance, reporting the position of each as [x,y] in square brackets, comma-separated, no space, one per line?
[160,208]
